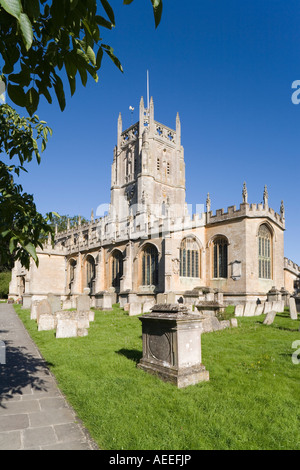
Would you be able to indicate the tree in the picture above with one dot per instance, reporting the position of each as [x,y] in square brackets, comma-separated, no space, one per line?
[40,40]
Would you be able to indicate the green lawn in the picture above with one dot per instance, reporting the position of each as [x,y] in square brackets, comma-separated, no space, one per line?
[252,400]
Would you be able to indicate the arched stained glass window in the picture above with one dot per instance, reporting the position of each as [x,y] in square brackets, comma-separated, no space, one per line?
[90,272]
[220,257]
[150,266]
[189,258]
[72,267]
[117,269]
[264,253]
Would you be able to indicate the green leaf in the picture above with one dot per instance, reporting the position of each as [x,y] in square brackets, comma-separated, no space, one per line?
[157,10]
[109,11]
[31,250]
[32,100]
[59,91]
[26,29]
[109,51]
[91,55]
[16,94]
[13,7]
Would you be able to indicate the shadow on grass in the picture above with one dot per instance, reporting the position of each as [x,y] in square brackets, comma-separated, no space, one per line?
[21,370]
[132,354]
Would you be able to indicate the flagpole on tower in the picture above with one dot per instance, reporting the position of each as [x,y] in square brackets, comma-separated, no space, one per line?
[148,89]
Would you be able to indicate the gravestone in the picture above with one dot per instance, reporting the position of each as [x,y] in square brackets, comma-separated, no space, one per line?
[54,302]
[293,309]
[107,301]
[33,311]
[147,306]
[135,308]
[82,319]
[259,310]
[210,324]
[250,308]
[47,322]
[278,306]
[172,345]
[42,308]
[82,303]
[239,310]
[234,322]
[267,307]
[270,317]
[66,328]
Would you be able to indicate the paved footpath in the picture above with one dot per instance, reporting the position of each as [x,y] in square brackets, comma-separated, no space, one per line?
[34,414]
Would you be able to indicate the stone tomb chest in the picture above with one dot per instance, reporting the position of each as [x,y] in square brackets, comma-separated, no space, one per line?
[172,345]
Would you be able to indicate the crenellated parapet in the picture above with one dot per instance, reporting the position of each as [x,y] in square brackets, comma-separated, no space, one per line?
[291,266]
[247,210]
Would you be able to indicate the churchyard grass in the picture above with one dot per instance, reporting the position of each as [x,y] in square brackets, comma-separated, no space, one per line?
[252,400]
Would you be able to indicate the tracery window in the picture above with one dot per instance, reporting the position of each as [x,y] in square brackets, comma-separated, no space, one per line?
[264,253]
[220,258]
[90,272]
[189,258]
[150,266]
[117,269]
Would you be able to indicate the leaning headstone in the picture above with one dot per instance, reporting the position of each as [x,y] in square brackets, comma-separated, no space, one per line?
[210,324]
[250,308]
[43,307]
[259,309]
[239,310]
[293,309]
[270,318]
[234,323]
[66,329]
[267,307]
[82,303]
[47,322]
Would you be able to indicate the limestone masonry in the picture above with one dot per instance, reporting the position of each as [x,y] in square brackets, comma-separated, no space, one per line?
[148,249]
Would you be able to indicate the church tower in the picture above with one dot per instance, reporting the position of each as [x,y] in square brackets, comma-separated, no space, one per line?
[148,170]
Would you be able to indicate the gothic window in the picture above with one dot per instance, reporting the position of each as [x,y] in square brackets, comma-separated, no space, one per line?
[189,258]
[220,257]
[117,269]
[150,266]
[90,272]
[264,253]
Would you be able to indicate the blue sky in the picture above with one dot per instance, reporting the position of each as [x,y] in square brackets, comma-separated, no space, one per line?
[227,67]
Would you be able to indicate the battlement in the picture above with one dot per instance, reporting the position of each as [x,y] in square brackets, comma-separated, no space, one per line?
[291,266]
[245,210]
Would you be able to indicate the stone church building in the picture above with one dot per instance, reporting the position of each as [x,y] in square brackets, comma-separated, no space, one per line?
[148,248]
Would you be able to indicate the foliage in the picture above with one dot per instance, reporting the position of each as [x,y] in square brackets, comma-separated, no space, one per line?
[5,278]
[39,39]
[250,402]
[20,223]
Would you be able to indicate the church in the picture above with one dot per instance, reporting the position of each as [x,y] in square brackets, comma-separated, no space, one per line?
[148,248]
